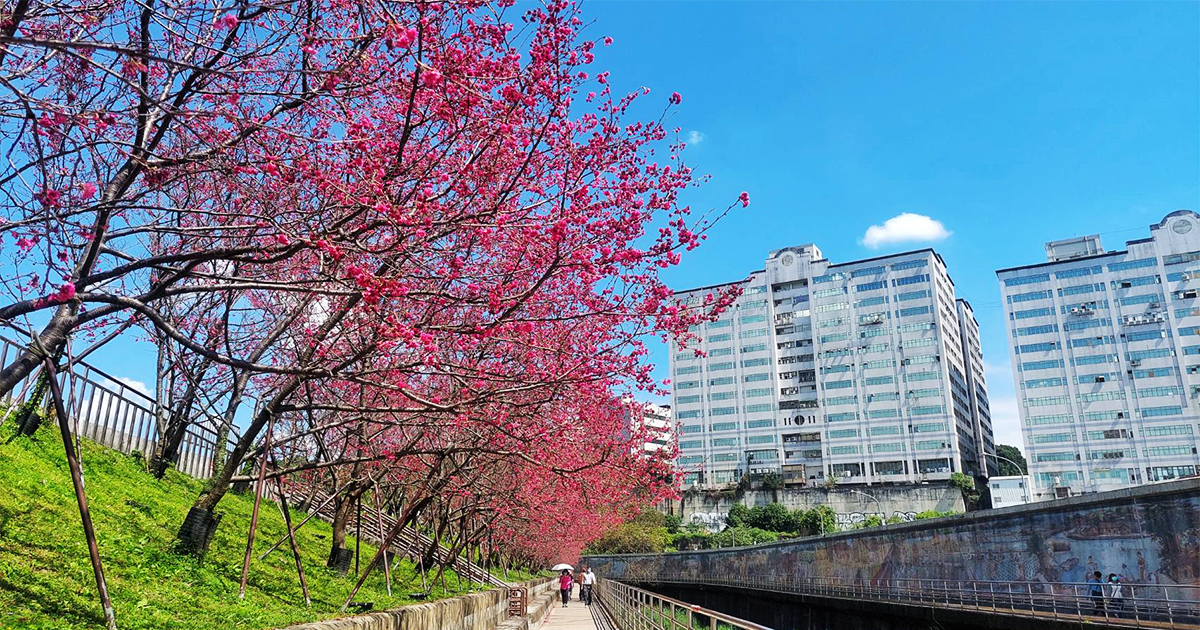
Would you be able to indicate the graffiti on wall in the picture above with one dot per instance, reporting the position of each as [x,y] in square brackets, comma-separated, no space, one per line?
[1153,539]
[712,521]
[850,519]
[715,521]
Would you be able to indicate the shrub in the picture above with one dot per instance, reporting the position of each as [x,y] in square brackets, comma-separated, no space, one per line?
[933,514]
[632,537]
[772,517]
[741,536]
[738,515]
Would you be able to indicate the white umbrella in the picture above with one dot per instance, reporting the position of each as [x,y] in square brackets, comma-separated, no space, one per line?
[560,567]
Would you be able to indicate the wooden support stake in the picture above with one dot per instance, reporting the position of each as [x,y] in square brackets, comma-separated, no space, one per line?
[287,522]
[329,499]
[357,532]
[110,618]
[386,544]
[262,473]
[387,566]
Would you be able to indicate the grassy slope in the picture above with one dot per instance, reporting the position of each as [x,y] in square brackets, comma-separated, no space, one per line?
[46,578]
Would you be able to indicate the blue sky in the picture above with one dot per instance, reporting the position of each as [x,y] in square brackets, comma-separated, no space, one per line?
[1010,123]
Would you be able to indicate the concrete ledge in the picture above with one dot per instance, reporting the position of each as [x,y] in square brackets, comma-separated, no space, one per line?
[487,610]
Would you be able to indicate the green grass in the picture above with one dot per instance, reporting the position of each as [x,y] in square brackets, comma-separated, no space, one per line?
[46,577]
[663,619]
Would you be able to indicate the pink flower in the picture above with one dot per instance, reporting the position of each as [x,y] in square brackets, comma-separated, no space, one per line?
[676,98]
[87,190]
[744,198]
[65,292]
[227,21]
[608,41]
[49,197]
[431,78]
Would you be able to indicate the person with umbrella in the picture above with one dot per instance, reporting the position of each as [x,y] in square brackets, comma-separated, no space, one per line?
[565,582]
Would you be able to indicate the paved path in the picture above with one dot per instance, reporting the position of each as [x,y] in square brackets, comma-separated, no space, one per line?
[575,616]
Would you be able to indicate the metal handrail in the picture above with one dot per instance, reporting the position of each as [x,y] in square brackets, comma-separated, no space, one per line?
[1140,605]
[630,607]
[409,541]
[105,410]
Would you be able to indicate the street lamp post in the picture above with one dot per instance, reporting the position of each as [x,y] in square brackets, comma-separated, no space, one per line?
[1018,467]
[877,503]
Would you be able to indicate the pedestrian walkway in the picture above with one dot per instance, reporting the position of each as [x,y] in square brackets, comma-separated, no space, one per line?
[576,616]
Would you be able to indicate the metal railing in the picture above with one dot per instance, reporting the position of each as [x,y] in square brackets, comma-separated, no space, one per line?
[1138,605]
[632,608]
[409,541]
[106,410]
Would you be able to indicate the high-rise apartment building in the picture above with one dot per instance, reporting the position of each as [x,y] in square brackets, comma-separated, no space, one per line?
[868,371]
[1106,356]
[653,422]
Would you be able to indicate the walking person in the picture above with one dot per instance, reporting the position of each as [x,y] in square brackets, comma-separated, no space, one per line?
[564,586]
[589,582]
[1095,591]
[579,581]
[1116,593]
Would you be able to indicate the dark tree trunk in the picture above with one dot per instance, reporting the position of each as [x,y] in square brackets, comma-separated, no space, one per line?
[343,508]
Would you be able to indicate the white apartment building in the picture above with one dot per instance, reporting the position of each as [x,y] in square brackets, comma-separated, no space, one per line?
[868,371]
[1106,356]
[657,421]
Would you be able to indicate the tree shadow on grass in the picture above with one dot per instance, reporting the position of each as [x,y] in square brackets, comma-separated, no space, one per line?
[72,614]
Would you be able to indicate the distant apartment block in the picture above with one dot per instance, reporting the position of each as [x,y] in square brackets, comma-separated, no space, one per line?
[1106,356]
[868,371]
[656,422]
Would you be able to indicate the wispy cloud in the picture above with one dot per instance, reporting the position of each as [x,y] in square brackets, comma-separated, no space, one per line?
[905,228]
[1006,421]
[1003,404]
[136,385]
[695,137]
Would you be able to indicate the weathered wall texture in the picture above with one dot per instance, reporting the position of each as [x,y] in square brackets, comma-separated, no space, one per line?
[709,508]
[487,610]
[1150,534]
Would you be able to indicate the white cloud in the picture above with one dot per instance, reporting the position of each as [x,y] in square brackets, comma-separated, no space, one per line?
[695,137]
[903,228]
[1003,404]
[1006,421]
[136,385]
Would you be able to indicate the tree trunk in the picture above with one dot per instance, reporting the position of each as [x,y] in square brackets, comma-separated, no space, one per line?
[53,338]
[28,419]
[196,532]
[166,451]
[219,452]
[343,508]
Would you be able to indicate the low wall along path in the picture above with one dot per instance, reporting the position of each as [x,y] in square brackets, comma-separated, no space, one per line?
[487,610]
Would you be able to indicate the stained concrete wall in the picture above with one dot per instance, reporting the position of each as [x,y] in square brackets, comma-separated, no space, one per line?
[709,508]
[1149,534]
[794,611]
[487,610]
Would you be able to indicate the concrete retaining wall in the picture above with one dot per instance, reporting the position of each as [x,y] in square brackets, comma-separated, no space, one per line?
[1149,534]
[487,610]
[709,508]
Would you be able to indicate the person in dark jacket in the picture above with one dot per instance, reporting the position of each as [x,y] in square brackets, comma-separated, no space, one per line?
[1095,590]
